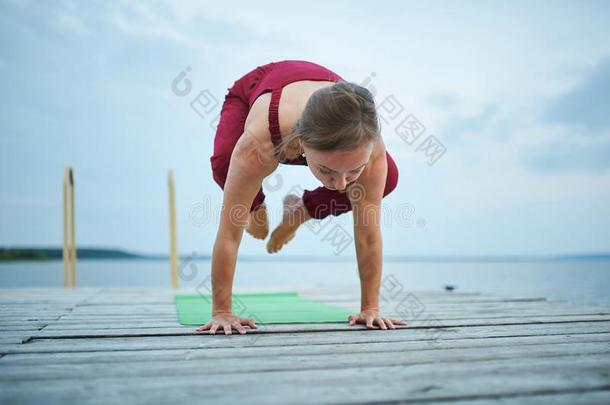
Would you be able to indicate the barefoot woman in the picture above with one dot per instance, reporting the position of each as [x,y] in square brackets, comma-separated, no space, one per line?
[299,113]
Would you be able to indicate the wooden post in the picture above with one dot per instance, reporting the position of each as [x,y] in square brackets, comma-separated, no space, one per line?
[65,252]
[173,250]
[72,229]
[69,229]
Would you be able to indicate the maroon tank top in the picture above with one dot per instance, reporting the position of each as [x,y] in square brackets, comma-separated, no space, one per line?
[279,75]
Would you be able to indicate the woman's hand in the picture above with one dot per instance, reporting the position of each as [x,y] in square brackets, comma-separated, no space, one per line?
[371,316]
[227,322]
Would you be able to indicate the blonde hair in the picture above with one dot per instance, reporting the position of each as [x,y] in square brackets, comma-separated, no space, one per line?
[337,117]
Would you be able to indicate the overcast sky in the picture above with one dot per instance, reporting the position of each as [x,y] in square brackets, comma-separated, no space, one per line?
[518,94]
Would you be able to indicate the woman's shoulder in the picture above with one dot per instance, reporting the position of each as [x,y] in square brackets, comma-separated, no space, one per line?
[256,141]
[293,98]
[259,110]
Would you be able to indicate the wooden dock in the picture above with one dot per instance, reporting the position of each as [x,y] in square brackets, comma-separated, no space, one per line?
[125,345]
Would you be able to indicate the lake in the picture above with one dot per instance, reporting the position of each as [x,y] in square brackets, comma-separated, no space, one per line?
[586,281]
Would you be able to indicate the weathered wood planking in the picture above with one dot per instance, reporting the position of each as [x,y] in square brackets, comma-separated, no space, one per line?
[96,345]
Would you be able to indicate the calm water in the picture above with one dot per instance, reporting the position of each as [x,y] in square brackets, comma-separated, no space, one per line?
[576,281]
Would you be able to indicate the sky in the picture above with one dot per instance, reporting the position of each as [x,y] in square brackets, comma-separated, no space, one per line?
[515,96]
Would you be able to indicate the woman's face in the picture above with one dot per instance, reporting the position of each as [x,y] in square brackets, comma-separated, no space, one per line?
[336,169]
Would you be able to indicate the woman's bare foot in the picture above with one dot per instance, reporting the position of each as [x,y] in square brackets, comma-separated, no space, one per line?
[294,215]
[258,225]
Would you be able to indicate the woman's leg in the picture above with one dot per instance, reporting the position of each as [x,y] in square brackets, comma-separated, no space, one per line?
[318,204]
[323,202]
[230,127]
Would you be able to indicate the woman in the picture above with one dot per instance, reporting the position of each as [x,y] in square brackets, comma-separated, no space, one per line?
[299,113]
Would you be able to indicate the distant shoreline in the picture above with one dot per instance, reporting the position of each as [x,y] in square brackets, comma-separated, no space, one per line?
[23,254]
[51,254]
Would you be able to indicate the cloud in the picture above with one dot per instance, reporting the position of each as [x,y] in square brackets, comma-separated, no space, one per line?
[579,120]
[71,23]
[567,156]
[586,107]
[487,122]
[442,100]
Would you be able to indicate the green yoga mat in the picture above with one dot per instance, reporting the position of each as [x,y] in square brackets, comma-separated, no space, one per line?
[265,307]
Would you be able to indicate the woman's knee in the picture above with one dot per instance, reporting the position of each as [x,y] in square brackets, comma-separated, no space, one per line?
[230,128]
[220,167]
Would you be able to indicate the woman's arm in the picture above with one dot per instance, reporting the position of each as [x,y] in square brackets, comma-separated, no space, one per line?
[249,165]
[365,196]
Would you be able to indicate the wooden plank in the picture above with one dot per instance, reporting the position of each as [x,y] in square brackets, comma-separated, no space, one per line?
[119,309]
[169,299]
[113,322]
[567,397]
[284,336]
[261,362]
[424,296]
[369,381]
[170,312]
[109,323]
[156,323]
[128,331]
[264,350]
[17,328]
[7,341]
[398,311]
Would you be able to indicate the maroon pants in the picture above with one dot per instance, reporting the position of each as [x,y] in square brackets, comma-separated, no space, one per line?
[320,202]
